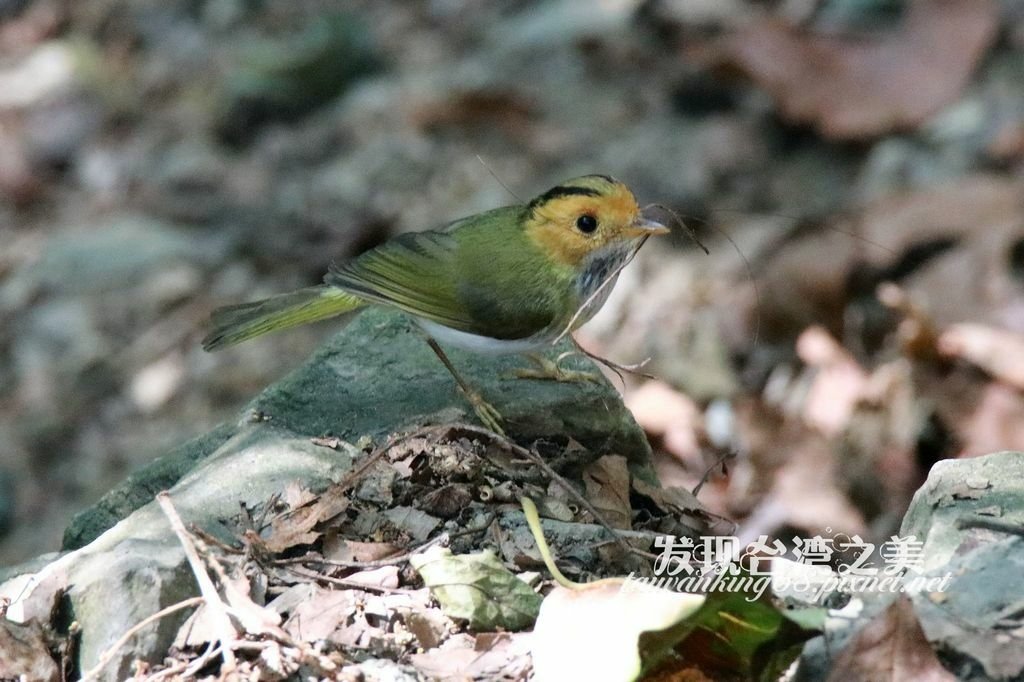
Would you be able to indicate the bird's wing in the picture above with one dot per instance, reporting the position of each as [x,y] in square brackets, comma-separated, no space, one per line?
[416,272]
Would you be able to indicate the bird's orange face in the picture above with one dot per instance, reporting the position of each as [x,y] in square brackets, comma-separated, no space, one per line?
[583,215]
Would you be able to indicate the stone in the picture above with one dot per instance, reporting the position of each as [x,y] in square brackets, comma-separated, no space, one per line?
[376,377]
[138,567]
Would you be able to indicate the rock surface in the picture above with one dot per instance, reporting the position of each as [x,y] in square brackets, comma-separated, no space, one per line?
[969,516]
[374,378]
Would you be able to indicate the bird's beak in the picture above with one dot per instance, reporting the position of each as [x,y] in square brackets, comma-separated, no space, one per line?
[644,227]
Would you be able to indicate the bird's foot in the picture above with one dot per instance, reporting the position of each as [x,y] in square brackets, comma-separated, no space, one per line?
[485,412]
[551,370]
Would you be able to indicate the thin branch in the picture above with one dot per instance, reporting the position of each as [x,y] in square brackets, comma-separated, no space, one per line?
[377,563]
[218,611]
[109,653]
[552,474]
[614,366]
[989,524]
[722,459]
[342,582]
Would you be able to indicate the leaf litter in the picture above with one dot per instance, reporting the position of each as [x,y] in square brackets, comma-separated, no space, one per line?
[359,579]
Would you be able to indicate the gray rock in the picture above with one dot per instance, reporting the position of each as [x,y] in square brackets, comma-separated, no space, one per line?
[969,515]
[107,256]
[376,377]
[138,567]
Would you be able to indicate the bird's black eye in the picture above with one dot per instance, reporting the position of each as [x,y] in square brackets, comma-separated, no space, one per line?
[586,223]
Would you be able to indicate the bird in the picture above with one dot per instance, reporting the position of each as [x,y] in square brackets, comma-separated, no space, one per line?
[513,279]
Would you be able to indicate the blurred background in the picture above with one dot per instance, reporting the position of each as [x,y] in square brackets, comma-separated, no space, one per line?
[854,166]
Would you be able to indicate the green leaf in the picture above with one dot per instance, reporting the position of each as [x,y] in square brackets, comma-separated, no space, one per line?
[477,588]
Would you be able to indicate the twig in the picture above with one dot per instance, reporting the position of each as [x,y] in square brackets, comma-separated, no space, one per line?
[218,611]
[377,563]
[354,475]
[211,539]
[342,582]
[198,664]
[108,654]
[614,366]
[989,524]
[722,459]
[552,474]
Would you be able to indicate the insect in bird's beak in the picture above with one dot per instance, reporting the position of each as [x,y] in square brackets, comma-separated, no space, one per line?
[645,227]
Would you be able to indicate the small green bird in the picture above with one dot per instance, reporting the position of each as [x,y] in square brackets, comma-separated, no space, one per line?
[509,280]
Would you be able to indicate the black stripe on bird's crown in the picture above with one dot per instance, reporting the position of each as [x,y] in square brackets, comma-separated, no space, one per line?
[562,191]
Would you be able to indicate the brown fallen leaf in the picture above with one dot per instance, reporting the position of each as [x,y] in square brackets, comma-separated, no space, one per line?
[997,351]
[890,647]
[663,412]
[24,653]
[673,501]
[487,656]
[860,87]
[295,526]
[838,382]
[340,549]
[607,482]
[318,617]
[997,422]
[385,576]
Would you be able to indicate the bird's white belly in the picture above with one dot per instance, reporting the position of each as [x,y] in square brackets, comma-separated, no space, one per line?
[480,344]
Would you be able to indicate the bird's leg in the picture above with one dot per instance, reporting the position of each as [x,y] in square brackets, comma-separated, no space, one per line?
[488,416]
[551,370]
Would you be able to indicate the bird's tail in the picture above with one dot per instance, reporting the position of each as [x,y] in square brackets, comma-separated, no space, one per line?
[236,323]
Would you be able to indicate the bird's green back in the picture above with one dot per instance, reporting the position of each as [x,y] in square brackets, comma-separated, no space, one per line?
[481,275]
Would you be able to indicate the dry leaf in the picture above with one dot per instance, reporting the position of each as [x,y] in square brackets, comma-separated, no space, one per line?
[838,382]
[340,549]
[857,87]
[663,412]
[997,351]
[890,647]
[295,526]
[607,482]
[385,576]
[24,653]
[326,611]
